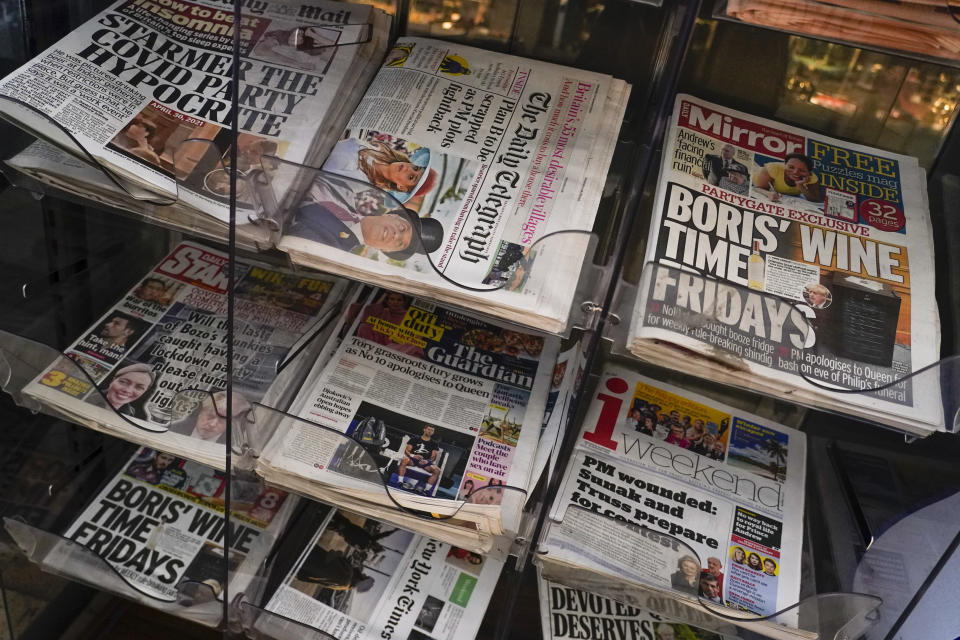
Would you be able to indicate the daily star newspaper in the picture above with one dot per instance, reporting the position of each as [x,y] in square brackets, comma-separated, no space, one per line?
[447,408]
[360,578]
[144,88]
[160,525]
[493,152]
[797,263]
[676,493]
[153,369]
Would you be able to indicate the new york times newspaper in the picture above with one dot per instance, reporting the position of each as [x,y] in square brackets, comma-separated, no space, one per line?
[449,409]
[573,613]
[710,496]
[145,88]
[160,524]
[360,578]
[154,367]
[492,152]
[802,257]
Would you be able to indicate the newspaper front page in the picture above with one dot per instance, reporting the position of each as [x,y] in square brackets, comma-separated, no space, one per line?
[145,88]
[160,524]
[574,614]
[492,152]
[360,578]
[456,404]
[807,259]
[712,495]
[154,367]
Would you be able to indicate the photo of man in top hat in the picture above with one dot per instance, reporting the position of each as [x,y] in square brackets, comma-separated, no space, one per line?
[336,212]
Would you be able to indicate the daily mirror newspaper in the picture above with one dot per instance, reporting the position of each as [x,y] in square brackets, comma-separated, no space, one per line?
[709,498]
[794,260]
[448,408]
[492,152]
[144,88]
[153,369]
[360,579]
[160,524]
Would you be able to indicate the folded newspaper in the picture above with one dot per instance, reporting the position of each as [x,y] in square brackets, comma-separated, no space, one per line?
[153,369]
[425,409]
[494,153]
[792,263]
[668,493]
[359,579]
[571,613]
[144,90]
[464,175]
[156,532]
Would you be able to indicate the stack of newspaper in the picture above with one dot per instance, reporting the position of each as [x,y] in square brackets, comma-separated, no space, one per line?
[156,532]
[463,175]
[153,368]
[358,578]
[417,410]
[144,92]
[792,263]
[670,495]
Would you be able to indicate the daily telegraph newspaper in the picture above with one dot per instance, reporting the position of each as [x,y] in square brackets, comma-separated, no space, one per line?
[795,262]
[677,494]
[492,152]
[571,613]
[153,369]
[447,408]
[144,88]
[360,578]
[160,524]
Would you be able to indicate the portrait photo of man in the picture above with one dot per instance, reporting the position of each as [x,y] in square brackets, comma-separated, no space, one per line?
[716,166]
[208,422]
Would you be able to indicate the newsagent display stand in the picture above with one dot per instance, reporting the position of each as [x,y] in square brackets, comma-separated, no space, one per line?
[28,350]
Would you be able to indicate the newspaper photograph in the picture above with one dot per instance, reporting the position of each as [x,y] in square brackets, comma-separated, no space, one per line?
[157,360]
[160,523]
[797,252]
[491,152]
[360,578]
[713,495]
[154,100]
[448,407]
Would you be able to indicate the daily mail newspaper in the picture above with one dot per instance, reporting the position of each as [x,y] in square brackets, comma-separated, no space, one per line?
[676,493]
[799,262]
[160,524]
[153,369]
[448,409]
[571,613]
[144,88]
[492,152]
[360,579]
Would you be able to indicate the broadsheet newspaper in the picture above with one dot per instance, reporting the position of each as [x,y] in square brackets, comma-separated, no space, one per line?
[492,152]
[448,407]
[145,88]
[360,578]
[795,260]
[154,366]
[160,525]
[671,491]
[575,614]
